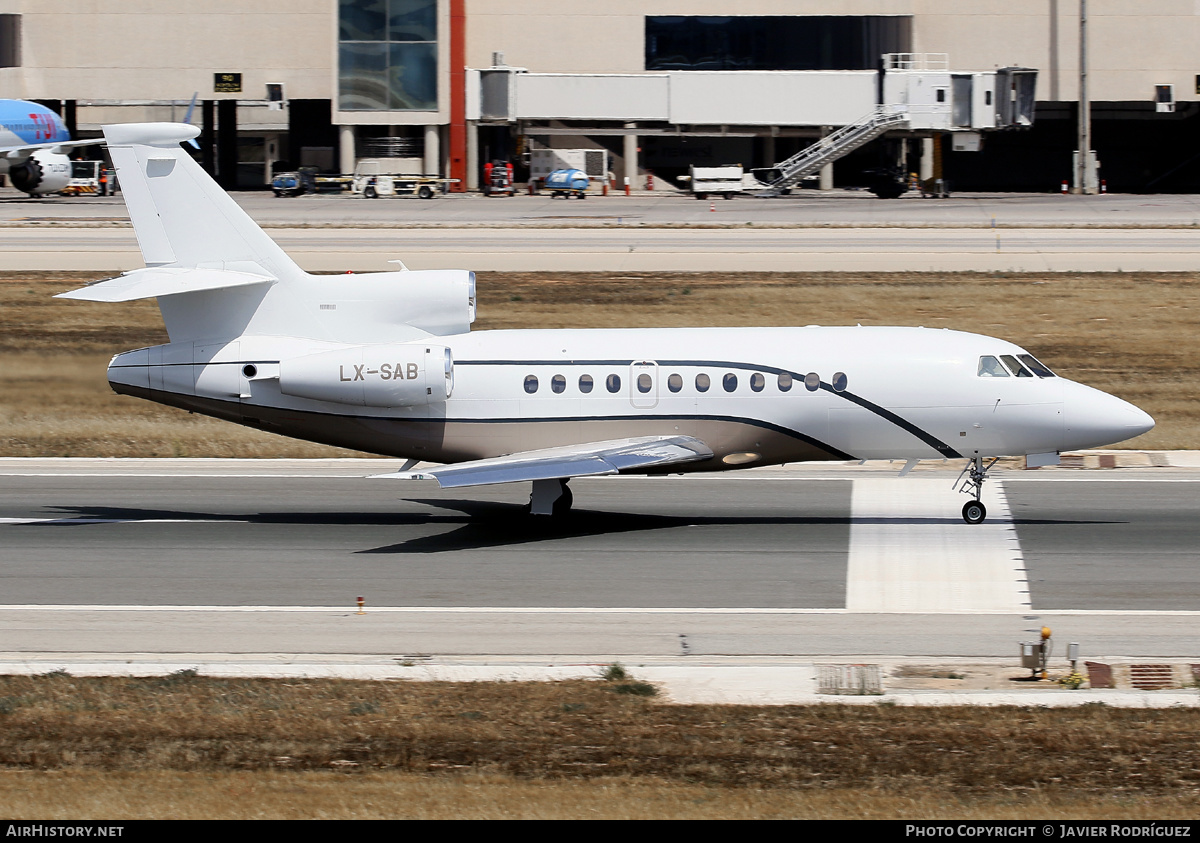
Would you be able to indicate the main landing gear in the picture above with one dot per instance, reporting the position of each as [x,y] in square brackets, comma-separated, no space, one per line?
[550,497]
[970,482]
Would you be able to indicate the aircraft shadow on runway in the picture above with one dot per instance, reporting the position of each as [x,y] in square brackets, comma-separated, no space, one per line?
[488,524]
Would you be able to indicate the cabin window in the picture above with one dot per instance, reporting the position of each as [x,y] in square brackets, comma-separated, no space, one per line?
[729,382]
[558,384]
[812,381]
[757,382]
[644,383]
[989,367]
[613,383]
[702,382]
[531,384]
[785,381]
[585,384]
[839,382]
[675,383]
[1015,366]
[1039,368]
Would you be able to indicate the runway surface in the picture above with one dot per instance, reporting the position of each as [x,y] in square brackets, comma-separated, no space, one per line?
[627,249]
[853,208]
[820,560]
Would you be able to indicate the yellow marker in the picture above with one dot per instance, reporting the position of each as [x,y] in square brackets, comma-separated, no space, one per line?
[360,606]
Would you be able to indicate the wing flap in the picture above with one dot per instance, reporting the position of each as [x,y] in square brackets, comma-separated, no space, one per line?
[163,281]
[585,460]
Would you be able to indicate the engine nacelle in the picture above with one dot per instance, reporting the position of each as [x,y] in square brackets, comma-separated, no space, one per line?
[406,375]
[42,172]
[367,307]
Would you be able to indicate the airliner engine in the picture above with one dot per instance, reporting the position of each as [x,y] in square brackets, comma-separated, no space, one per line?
[400,375]
[43,172]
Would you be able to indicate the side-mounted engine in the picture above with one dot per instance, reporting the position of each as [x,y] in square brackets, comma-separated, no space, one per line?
[370,307]
[400,375]
[42,172]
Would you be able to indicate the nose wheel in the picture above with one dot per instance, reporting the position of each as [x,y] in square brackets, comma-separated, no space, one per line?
[970,482]
[974,512]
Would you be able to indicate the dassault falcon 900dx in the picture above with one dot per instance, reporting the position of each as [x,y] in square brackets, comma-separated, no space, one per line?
[386,362]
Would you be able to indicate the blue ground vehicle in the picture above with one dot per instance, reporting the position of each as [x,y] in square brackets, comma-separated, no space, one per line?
[567,183]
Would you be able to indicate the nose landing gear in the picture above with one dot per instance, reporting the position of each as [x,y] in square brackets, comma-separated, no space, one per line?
[970,482]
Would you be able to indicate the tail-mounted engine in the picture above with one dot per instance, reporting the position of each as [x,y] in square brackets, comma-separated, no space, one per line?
[42,172]
[372,375]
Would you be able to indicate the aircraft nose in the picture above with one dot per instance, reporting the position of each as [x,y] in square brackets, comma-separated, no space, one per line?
[1093,418]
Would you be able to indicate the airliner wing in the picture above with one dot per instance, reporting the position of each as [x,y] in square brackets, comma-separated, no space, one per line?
[588,459]
[26,149]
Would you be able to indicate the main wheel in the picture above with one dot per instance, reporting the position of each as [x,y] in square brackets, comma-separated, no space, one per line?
[563,505]
[973,512]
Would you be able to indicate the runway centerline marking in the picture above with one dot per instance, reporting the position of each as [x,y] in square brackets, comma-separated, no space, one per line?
[903,560]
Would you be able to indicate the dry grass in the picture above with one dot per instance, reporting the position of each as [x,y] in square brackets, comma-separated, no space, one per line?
[1132,334]
[256,747]
[70,794]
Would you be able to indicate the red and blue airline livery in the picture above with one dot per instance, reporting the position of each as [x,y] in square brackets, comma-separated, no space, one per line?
[33,147]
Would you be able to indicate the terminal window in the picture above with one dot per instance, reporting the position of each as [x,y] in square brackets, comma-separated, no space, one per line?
[10,40]
[798,42]
[387,55]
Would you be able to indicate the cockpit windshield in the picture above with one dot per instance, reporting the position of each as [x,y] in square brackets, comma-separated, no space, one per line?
[1036,365]
[1015,366]
[989,367]
[1025,367]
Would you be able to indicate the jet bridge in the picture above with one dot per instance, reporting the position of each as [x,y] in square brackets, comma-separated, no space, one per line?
[920,96]
[916,93]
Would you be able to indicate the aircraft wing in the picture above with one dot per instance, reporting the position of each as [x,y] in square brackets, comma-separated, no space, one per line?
[589,459]
[27,149]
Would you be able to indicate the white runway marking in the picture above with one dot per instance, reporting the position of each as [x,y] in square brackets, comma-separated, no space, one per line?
[910,551]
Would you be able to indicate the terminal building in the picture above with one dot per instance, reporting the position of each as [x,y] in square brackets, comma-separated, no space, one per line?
[656,85]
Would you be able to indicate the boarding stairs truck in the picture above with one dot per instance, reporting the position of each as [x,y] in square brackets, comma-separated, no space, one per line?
[833,146]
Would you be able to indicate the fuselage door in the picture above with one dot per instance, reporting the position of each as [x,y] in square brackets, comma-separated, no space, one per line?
[643,384]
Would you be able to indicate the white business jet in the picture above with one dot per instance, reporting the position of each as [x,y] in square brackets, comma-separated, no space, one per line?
[386,363]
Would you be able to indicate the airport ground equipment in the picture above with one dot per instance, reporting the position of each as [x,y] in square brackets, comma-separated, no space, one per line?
[293,183]
[592,162]
[725,180]
[1036,655]
[567,183]
[832,147]
[85,178]
[498,179]
[308,180]
[423,187]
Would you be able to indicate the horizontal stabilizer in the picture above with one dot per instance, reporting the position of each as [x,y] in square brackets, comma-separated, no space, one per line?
[163,281]
[588,459]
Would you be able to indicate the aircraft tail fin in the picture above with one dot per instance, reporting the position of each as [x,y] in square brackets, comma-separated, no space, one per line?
[182,218]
